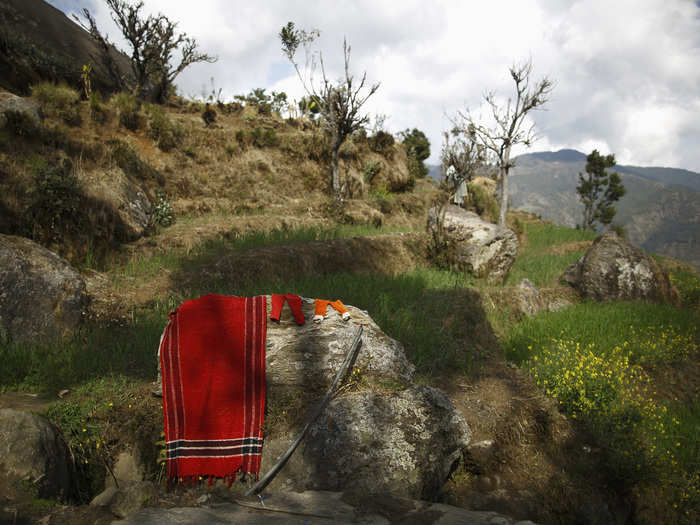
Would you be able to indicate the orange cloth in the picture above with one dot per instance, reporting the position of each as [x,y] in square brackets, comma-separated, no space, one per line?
[322,304]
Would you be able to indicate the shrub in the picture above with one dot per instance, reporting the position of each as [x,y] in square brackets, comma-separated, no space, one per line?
[371,170]
[55,200]
[619,229]
[162,212]
[130,163]
[482,201]
[688,285]
[129,108]
[60,101]
[382,142]
[54,97]
[98,111]
[208,115]
[162,129]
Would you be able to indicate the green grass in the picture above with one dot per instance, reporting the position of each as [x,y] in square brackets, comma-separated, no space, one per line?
[128,349]
[429,311]
[598,361]
[148,266]
[535,263]
[604,325]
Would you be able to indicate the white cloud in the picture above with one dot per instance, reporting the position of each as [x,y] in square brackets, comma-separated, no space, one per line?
[626,72]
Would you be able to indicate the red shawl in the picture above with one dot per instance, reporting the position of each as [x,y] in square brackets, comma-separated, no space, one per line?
[213,366]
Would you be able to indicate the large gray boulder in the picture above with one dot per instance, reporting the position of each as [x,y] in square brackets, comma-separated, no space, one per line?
[384,435]
[403,443]
[613,269]
[122,198]
[23,106]
[41,295]
[33,453]
[474,245]
[309,356]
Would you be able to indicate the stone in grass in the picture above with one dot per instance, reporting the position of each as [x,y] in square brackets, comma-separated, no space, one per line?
[41,295]
[33,453]
[614,270]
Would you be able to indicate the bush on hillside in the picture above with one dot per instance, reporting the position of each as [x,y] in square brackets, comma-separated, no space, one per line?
[208,115]
[483,202]
[54,97]
[60,101]
[130,163]
[382,142]
[161,129]
[129,109]
[55,201]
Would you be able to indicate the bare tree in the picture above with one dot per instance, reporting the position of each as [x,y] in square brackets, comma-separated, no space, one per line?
[509,128]
[153,41]
[339,103]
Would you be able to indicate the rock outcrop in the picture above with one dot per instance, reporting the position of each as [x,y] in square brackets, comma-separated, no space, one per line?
[402,440]
[398,438]
[32,452]
[613,269]
[309,356]
[41,295]
[23,106]
[122,198]
[474,245]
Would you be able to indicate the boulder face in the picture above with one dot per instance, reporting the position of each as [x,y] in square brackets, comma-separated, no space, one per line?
[24,106]
[403,443]
[387,435]
[476,246]
[32,451]
[402,439]
[309,356]
[612,269]
[41,295]
[122,198]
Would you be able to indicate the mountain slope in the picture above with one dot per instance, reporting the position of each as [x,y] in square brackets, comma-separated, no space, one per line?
[40,43]
[661,210]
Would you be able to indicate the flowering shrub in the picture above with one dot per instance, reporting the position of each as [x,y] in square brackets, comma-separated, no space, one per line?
[612,394]
[162,212]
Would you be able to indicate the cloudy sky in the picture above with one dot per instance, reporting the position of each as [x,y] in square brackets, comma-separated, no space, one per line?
[626,72]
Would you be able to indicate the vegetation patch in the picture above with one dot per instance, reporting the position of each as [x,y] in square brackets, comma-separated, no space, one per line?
[537,261]
[597,360]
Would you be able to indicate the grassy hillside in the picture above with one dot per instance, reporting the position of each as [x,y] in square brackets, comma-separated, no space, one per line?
[249,163]
[594,406]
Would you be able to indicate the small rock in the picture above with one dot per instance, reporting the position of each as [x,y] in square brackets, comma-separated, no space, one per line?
[33,450]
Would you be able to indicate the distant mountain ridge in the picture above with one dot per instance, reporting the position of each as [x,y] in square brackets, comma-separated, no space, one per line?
[676,176]
[661,210]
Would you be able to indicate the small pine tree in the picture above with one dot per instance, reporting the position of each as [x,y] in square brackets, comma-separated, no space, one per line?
[598,190]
